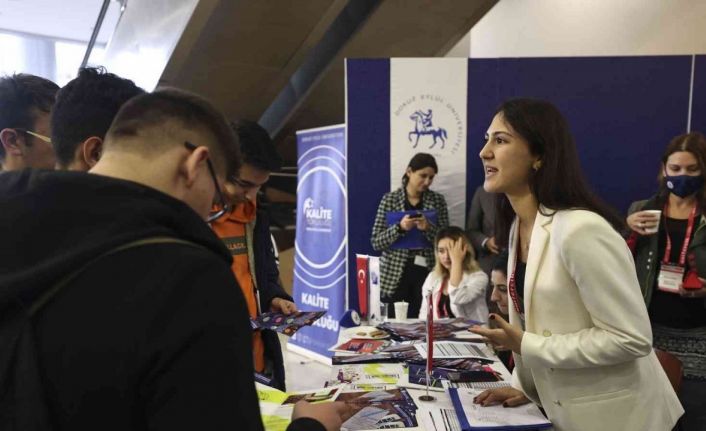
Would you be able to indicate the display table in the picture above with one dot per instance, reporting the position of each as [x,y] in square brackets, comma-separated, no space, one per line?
[385,379]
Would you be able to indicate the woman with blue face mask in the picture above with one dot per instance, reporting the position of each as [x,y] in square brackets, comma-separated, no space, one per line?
[668,239]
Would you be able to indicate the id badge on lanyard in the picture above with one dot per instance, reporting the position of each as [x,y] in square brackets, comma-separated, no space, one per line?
[671,274]
[670,277]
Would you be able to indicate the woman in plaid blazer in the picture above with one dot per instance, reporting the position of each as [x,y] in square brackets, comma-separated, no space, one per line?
[403,271]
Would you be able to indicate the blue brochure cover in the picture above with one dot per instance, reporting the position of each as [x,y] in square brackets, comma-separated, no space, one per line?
[414,239]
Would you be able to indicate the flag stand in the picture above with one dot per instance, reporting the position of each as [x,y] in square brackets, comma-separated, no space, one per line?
[430,347]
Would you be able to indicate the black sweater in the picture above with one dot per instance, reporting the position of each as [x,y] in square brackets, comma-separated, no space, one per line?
[155,337]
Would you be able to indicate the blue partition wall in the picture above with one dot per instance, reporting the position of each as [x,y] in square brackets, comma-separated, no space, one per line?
[698,109]
[622,111]
[368,128]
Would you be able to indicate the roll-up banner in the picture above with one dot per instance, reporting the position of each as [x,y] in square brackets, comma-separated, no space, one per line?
[428,115]
[321,246]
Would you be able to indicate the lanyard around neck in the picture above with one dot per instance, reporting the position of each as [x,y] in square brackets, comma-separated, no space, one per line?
[512,283]
[687,236]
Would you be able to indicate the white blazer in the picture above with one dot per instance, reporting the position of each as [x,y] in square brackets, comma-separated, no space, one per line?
[467,299]
[587,353]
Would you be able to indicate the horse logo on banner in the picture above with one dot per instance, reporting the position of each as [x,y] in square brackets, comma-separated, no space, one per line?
[423,126]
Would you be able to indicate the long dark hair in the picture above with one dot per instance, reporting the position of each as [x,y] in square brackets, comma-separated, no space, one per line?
[695,143]
[420,161]
[558,184]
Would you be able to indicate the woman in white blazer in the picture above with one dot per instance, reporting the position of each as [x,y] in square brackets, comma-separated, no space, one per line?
[578,326]
[457,284]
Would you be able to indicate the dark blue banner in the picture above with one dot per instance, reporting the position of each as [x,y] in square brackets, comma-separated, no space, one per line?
[320,278]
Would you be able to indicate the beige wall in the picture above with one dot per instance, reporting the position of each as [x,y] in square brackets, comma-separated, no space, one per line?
[286,268]
[538,28]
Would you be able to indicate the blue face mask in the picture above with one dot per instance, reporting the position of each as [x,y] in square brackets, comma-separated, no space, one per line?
[684,185]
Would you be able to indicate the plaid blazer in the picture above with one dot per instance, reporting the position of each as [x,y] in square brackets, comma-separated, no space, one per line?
[392,262]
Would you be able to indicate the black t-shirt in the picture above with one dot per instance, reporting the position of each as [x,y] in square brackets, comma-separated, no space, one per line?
[520,269]
[409,207]
[445,306]
[670,309]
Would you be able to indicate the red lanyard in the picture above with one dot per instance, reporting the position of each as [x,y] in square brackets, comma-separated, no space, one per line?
[687,237]
[438,301]
[512,284]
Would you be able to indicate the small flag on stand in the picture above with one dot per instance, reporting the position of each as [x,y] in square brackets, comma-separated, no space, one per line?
[361,261]
[430,346]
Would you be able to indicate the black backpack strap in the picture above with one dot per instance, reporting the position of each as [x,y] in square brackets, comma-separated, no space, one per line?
[50,293]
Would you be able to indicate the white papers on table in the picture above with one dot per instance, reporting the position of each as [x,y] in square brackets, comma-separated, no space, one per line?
[452,349]
[473,416]
[437,415]
[467,336]
[368,374]
[474,385]
[439,419]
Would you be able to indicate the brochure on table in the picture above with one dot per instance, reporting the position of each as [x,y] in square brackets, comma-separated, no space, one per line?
[276,406]
[474,417]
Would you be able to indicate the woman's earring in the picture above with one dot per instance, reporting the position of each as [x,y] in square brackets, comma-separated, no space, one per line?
[536,165]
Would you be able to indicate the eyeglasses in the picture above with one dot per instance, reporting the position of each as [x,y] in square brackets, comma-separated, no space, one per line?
[247,185]
[41,137]
[222,205]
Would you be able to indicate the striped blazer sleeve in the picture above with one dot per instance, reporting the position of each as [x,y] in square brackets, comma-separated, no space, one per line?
[383,235]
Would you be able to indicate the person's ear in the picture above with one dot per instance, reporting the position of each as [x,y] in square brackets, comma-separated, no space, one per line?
[193,163]
[11,142]
[92,150]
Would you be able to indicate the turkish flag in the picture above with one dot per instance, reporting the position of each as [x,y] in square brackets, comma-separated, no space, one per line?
[362,266]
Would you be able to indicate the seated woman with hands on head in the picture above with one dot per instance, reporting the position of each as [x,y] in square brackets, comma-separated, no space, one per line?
[578,328]
[669,243]
[457,284]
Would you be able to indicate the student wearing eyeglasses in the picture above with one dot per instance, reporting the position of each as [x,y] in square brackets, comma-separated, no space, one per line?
[118,307]
[25,105]
[245,230]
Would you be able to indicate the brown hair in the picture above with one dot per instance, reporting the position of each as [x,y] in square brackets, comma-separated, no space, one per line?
[21,97]
[455,233]
[694,143]
[165,106]
[420,161]
[559,183]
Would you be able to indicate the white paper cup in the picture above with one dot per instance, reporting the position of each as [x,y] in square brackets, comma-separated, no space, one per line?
[658,214]
[401,310]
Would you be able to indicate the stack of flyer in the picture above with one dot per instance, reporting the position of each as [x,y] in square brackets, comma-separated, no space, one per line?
[379,408]
[371,406]
[276,406]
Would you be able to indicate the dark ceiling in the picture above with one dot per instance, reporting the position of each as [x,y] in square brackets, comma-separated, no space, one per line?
[281,62]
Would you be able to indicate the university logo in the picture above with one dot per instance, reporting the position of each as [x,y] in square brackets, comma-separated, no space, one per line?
[431,121]
[424,126]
